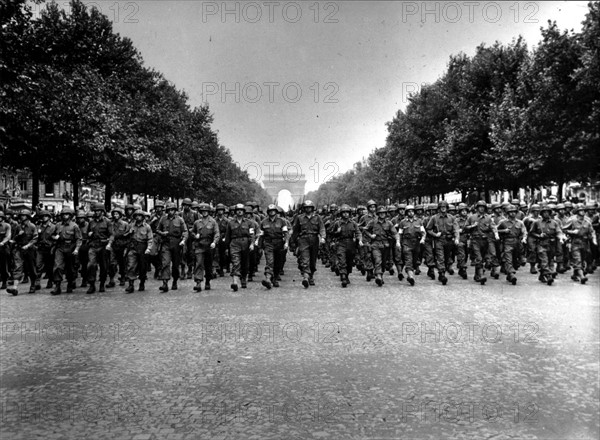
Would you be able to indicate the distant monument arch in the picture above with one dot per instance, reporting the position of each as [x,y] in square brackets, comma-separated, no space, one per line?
[274,183]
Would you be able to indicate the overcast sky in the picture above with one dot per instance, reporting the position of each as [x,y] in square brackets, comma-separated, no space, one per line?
[353,63]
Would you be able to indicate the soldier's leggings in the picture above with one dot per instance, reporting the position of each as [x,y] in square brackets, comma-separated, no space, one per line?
[396,256]
[308,247]
[223,255]
[532,257]
[97,257]
[24,263]
[189,255]
[65,263]
[365,256]
[545,251]
[273,256]
[82,260]
[443,253]
[137,260]
[510,256]
[239,251]
[428,253]
[410,253]
[4,262]
[345,252]
[44,262]
[462,254]
[483,250]
[379,254]
[170,253]
[117,260]
[203,258]
[332,245]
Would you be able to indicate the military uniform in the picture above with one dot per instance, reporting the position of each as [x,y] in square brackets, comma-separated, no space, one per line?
[483,232]
[381,231]
[443,228]
[99,232]
[308,229]
[462,249]
[141,239]
[205,236]
[118,246]
[346,234]
[67,240]
[582,234]
[239,238]
[83,255]
[547,232]
[189,216]
[513,233]
[24,253]
[174,234]
[274,241]
[5,236]
[45,256]
[411,232]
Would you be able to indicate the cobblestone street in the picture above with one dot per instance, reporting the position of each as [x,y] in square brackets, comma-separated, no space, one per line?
[461,361]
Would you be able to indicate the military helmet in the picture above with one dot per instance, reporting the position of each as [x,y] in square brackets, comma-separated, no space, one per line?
[271,207]
[551,206]
[119,210]
[345,208]
[280,210]
[221,207]
[590,206]
[186,201]
[90,214]
[545,208]
[381,209]
[451,207]
[568,205]
[308,204]
[359,207]
[371,202]
[98,207]
[240,207]
[480,203]
[44,212]
[442,203]
[129,206]
[505,205]
[402,206]
[203,207]
[535,207]
[560,206]
[462,206]
[333,207]
[418,208]
[81,213]
[138,212]
[496,206]
[511,208]
[248,210]
[68,211]
[170,205]
[195,205]
[392,208]
[26,212]
[410,208]
[2,214]
[522,205]
[159,204]
[578,207]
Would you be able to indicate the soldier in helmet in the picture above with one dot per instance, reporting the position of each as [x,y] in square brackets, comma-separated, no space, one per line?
[205,238]
[159,211]
[307,233]
[412,234]
[531,240]
[222,253]
[347,234]
[174,234]
[100,233]
[138,250]
[562,253]
[328,251]
[23,252]
[239,238]
[118,245]
[254,255]
[81,263]
[67,238]
[513,233]
[5,236]
[443,228]
[274,239]
[365,251]
[483,232]
[279,270]
[190,217]
[462,250]
[128,213]
[380,232]
[428,248]
[582,234]
[45,256]
[546,231]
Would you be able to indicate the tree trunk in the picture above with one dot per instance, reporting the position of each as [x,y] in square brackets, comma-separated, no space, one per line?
[486,195]
[75,184]
[35,190]
[561,184]
[107,196]
[463,196]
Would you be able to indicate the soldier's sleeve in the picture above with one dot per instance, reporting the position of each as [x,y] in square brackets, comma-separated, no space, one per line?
[523,230]
[456,229]
[394,232]
[150,237]
[217,236]
[8,234]
[357,233]
[111,233]
[34,239]
[430,227]
[78,237]
[228,234]
[295,229]
[184,230]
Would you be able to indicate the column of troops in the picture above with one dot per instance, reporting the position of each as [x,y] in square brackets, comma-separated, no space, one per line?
[202,242]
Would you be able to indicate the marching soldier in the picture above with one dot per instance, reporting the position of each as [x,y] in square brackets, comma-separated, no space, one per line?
[365,251]
[44,258]
[562,253]
[380,232]
[222,251]
[82,255]
[274,239]
[531,240]
[174,234]
[118,246]
[254,254]
[347,234]
[412,234]
[100,233]
[205,237]
[579,228]
[443,228]
[189,216]
[67,238]
[156,241]
[279,270]
[23,252]
[546,231]
[483,232]
[428,245]
[497,216]
[308,232]
[5,236]
[513,233]
[239,238]
[462,250]
[141,239]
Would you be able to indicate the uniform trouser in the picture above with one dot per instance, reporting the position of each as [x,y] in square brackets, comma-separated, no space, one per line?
[137,261]
[82,260]
[325,253]
[308,248]
[510,256]
[578,253]
[65,263]
[365,256]
[170,252]
[44,262]
[558,252]
[389,260]
[239,252]
[279,263]
[97,257]
[410,253]
[379,254]
[345,251]
[273,255]
[396,256]
[4,262]
[428,253]
[443,253]
[545,250]
[203,258]
[223,255]
[483,250]
[117,260]
[531,250]
[332,245]
[495,260]
[590,255]
[565,254]
[252,261]
[24,263]
[462,252]
[189,254]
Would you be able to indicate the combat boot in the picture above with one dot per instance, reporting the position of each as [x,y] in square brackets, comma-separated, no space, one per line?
[495,274]
[244,283]
[267,282]
[450,271]
[13,290]
[370,274]
[91,288]
[57,290]
[431,273]
[379,280]
[410,277]
[32,287]
[235,283]
[207,285]
[174,285]
[532,269]
[343,280]
[442,278]
[198,286]
[111,283]
[130,287]
[165,286]
[38,286]
[101,288]
[311,280]
[142,286]
[582,278]
[305,282]
[121,281]
[463,273]
[70,286]
[3,286]
[560,268]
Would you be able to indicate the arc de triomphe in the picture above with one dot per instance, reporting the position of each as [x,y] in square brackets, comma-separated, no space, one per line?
[274,183]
